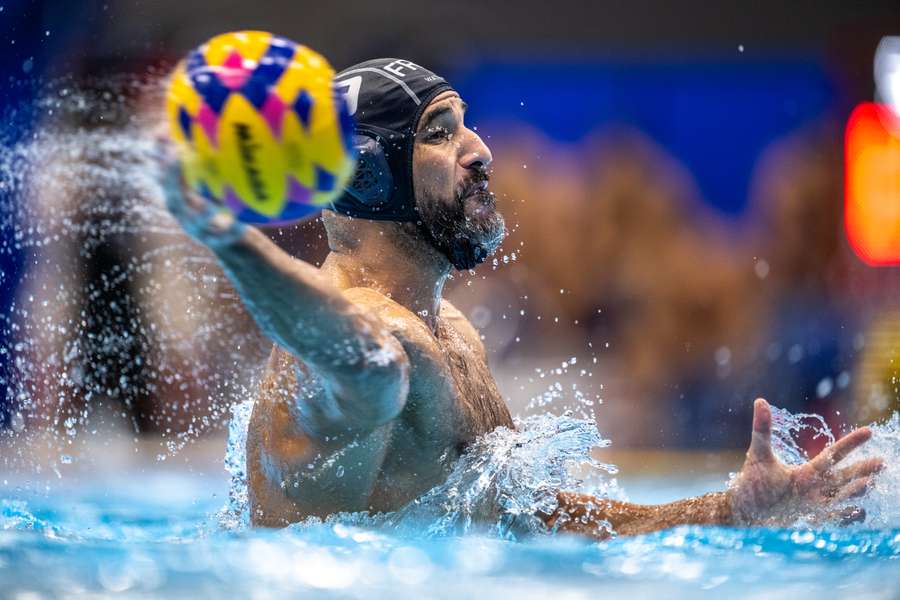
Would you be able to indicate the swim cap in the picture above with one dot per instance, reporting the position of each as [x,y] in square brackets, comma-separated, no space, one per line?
[386,98]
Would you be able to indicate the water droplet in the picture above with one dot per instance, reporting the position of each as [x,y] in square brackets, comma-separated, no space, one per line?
[843,380]
[723,356]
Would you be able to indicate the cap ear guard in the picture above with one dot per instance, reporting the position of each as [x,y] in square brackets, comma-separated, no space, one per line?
[372,183]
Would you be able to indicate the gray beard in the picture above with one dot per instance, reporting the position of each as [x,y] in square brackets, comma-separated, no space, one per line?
[463,241]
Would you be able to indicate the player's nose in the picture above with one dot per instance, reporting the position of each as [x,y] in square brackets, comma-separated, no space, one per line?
[474,153]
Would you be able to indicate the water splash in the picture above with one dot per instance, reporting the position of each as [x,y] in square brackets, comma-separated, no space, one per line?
[508,476]
[120,321]
[14,515]
[787,426]
[236,513]
[155,317]
[103,553]
[880,502]
[499,485]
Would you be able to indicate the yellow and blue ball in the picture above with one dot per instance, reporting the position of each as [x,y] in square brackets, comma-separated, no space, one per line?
[259,127]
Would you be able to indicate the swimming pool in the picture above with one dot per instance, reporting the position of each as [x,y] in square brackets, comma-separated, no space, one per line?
[163,533]
[158,538]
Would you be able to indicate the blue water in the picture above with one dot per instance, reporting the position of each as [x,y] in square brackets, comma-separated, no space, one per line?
[172,533]
[159,538]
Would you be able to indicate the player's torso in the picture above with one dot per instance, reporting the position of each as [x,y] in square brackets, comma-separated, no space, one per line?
[452,400]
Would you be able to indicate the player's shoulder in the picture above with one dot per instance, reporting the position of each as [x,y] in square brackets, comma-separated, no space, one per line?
[370,298]
[461,324]
[378,303]
[400,320]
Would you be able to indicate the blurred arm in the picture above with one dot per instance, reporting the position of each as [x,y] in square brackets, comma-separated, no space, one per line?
[361,365]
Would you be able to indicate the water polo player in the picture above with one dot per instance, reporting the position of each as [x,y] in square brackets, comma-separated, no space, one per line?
[376,384]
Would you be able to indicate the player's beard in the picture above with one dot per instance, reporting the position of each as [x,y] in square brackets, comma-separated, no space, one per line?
[468,229]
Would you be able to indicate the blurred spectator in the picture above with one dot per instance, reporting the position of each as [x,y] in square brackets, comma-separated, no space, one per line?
[802,264]
[124,317]
[613,243]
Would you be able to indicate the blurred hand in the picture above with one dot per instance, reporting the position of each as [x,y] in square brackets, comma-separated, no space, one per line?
[767,492]
[205,221]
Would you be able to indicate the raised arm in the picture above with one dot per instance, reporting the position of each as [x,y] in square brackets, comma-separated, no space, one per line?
[764,493]
[362,367]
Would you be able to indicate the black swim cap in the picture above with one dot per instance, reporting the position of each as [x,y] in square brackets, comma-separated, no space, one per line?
[386,97]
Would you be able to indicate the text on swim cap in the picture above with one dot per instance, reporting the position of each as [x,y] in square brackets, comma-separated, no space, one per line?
[398,65]
[350,89]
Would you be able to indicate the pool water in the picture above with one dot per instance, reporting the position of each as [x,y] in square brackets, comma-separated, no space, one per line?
[160,538]
[174,534]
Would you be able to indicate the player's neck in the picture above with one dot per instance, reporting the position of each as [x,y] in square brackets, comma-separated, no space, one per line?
[392,263]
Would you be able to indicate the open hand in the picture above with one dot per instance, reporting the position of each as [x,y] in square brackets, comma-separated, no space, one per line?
[767,492]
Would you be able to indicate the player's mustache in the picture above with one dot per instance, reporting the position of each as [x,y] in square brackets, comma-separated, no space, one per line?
[473,184]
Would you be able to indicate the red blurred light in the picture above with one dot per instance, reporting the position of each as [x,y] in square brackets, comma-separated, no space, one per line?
[872,185]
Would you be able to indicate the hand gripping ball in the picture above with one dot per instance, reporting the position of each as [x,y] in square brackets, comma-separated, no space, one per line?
[259,127]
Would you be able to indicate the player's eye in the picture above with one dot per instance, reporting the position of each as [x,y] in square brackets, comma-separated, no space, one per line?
[439,133]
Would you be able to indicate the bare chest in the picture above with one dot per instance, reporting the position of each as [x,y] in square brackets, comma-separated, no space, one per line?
[453,397]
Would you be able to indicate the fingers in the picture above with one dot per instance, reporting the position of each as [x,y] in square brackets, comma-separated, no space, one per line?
[761,440]
[198,204]
[840,449]
[841,516]
[863,468]
[854,489]
[849,443]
